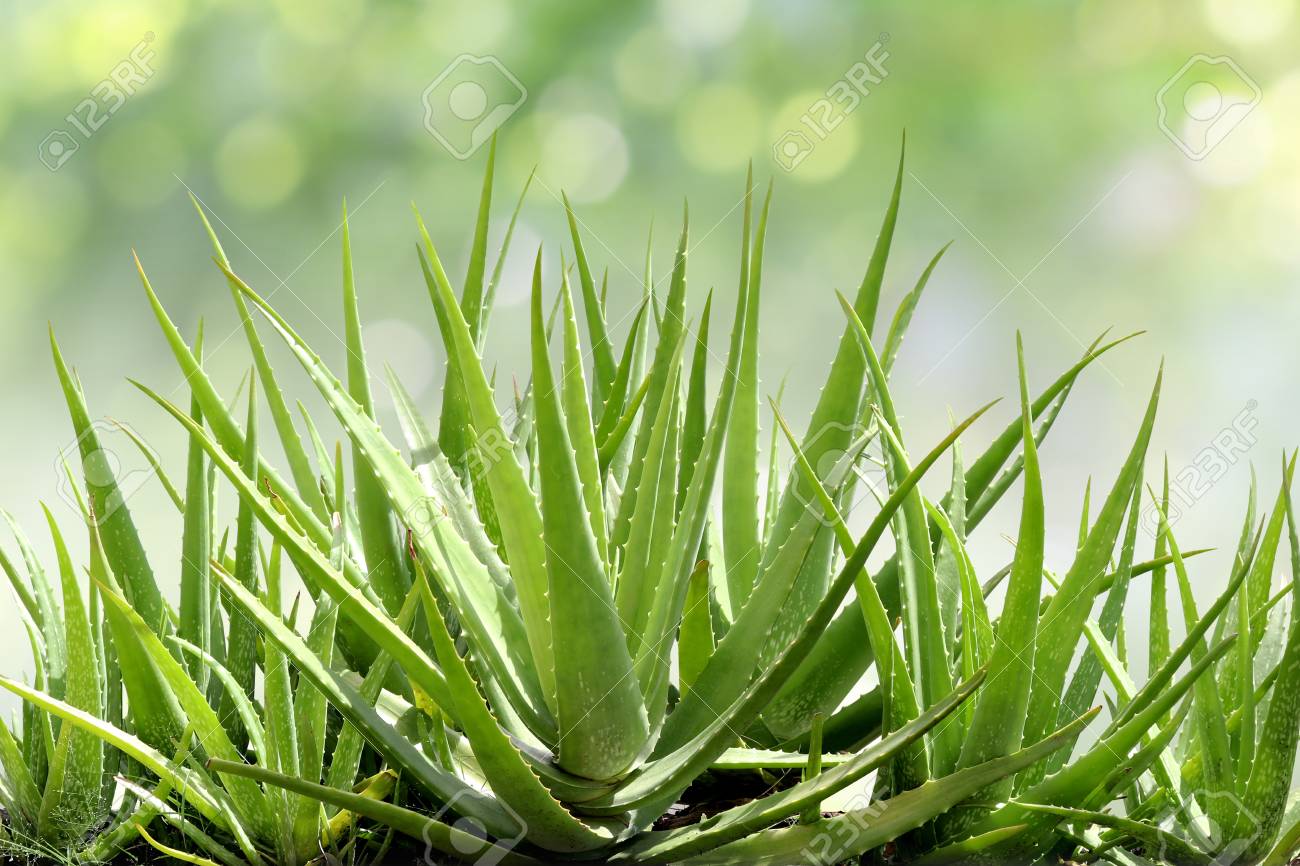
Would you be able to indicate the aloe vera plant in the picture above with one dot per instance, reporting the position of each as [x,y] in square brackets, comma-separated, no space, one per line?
[540,628]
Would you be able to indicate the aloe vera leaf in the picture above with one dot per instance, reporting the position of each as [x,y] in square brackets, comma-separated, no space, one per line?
[22,591]
[385,564]
[1109,753]
[603,723]
[309,717]
[1283,851]
[46,611]
[970,849]
[1152,837]
[198,790]
[695,412]
[1207,711]
[156,717]
[71,800]
[445,838]
[664,779]
[1258,583]
[634,352]
[732,664]
[652,663]
[107,504]
[1274,760]
[155,465]
[240,703]
[741,529]
[903,315]
[221,421]
[1244,687]
[174,853]
[977,636]
[345,762]
[604,368]
[1061,624]
[899,701]
[924,631]
[1082,690]
[696,643]
[195,624]
[454,420]
[489,294]
[396,748]
[773,759]
[1000,709]
[830,428]
[451,502]
[772,493]
[484,600]
[508,775]
[577,416]
[951,561]
[241,648]
[1158,630]
[309,559]
[652,520]
[844,652]
[739,821]
[514,503]
[621,391]
[477,600]
[670,333]
[296,456]
[982,477]
[613,445]
[246,798]
[860,830]
[22,797]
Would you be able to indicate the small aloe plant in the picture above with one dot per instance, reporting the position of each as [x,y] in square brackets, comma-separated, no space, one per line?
[542,625]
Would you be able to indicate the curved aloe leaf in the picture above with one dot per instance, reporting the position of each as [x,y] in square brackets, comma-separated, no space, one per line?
[859,830]
[198,790]
[738,822]
[352,602]
[385,563]
[504,768]
[514,503]
[663,780]
[741,529]
[997,726]
[603,723]
[445,838]
[362,714]
[122,543]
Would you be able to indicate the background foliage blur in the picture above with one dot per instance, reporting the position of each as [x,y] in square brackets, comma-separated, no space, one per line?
[1032,142]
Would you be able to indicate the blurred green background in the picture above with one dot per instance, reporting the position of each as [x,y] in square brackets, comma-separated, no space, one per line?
[1034,142]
